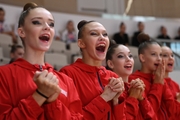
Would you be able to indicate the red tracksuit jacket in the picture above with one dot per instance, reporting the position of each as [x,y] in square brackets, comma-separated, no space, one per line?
[174,87]
[158,95]
[17,87]
[87,80]
[144,111]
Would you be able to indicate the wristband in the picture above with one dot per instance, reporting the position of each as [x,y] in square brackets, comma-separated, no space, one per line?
[41,94]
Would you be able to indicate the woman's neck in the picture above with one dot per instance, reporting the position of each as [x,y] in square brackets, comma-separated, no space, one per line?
[145,70]
[90,61]
[34,57]
[125,79]
[166,75]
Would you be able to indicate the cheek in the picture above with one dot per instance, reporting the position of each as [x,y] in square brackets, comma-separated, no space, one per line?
[52,32]
[119,63]
[31,32]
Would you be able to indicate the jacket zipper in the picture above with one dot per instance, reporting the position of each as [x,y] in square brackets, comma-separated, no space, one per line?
[40,68]
[164,114]
[100,83]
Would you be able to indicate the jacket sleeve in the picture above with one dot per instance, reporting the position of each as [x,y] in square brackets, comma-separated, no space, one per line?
[177,109]
[67,106]
[155,95]
[95,109]
[132,108]
[58,110]
[127,109]
[27,109]
[119,111]
[147,110]
[168,100]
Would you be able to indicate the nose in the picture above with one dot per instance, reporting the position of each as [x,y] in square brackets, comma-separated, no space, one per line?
[159,57]
[102,38]
[46,26]
[128,58]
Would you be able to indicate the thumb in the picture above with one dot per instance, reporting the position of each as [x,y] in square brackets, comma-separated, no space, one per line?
[36,75]
[177,94]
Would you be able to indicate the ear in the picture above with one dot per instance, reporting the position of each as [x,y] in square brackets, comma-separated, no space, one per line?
[110,64]
[11,55]
[141,58]
[21,32]
[81,43]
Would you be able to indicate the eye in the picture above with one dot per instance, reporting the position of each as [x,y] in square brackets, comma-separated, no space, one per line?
[105,34]
[51,24]
[165,55]
[153,54]
[93,33]
[120,56]
[36,22]
[130,56]
[172,55]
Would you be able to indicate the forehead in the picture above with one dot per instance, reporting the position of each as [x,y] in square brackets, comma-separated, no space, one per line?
[166,49]
[154,47]
[95,26]
[122,49]
[40,12]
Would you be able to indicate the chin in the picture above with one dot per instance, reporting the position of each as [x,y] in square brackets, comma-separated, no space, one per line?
[169,70]
[100,58]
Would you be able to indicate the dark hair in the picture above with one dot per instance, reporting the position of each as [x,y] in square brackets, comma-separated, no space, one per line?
[110,52]
[27,7]
[14,48]
[145,41]
[1,9]
[70,21]
[121,24]
[139,23]
[81,26]
[162,27]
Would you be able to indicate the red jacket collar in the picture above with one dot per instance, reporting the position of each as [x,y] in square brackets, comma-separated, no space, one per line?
[146,76]
[88,68]
[25,64]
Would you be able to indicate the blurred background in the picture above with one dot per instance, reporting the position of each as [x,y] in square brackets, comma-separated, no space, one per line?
[158,18]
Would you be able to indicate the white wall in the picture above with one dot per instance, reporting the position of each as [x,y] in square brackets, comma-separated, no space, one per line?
[112,25]
[175,76]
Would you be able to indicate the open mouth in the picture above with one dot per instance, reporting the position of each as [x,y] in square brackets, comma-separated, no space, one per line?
[170,64]
[101,47]
[128,66]
[44,38]
[156,64]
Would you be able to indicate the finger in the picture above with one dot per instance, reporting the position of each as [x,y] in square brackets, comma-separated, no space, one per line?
[117,86]
[36,75]
[121,89]
[136,83]
[111,80]
[132,83]
[43,74]
[54,80]
[49,76]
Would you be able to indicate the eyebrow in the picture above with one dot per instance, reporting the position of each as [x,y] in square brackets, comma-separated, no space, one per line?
[41,18]
[97,30]
[122,53]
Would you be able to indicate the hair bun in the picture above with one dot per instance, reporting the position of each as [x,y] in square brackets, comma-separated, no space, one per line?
[29,5]
[142,37]
[81,24]
[112,43]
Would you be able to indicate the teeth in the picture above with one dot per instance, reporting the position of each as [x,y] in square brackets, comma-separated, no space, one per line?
[101,45]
